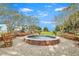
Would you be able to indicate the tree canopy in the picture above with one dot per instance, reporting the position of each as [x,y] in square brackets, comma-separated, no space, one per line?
[71,23]
[13,18]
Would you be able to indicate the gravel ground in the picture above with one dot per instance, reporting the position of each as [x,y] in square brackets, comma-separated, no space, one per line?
[20,48]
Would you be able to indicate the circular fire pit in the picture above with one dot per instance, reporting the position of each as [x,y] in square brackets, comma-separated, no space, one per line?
[41,40]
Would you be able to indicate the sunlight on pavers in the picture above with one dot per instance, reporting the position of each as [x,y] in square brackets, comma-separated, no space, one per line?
[19,44]
[63,55]
[51,48]
[4,55]
[55,46]
[63,48]
[12,52]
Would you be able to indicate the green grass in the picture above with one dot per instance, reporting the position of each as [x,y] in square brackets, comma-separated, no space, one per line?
[47,33]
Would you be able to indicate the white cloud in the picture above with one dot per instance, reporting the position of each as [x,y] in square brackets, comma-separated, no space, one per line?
[60,9]
[26,9]
[38,10]
[47,22]
[43,14]
[48,6]
[15,5]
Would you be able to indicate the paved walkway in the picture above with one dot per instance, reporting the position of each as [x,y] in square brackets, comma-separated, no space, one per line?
[20,48]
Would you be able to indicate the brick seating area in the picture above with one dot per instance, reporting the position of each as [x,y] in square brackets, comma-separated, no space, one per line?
[7,39]
[1,38]
[12,35]
[22,33]
[70,36]
[42,43]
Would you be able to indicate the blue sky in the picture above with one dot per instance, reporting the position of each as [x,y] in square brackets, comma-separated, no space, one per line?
[46,12]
